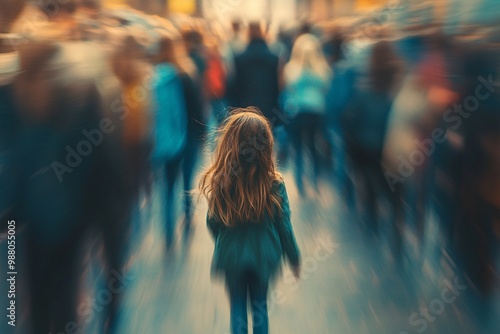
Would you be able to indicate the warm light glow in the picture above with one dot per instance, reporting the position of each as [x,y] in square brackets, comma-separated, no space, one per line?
[182,6]
[369,4]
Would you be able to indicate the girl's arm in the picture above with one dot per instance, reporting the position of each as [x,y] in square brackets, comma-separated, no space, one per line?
[285,230]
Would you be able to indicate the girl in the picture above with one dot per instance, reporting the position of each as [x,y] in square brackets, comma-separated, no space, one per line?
[248,216]
[307,78]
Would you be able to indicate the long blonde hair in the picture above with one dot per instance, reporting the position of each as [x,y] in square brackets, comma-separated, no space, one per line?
[239,183]
[307,55]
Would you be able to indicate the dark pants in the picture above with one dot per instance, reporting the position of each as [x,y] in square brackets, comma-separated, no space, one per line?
[367,164]
[54,271]
[304,131]
[248,285]
[185,162]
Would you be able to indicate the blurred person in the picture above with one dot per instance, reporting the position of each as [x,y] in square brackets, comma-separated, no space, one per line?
[434,70]
[74,146]
[411,44]
[215,81]
[340,93]
[478,212]
[195,101]
[365,126]
[237,43]
[96,160]
[257,76]
[195,46]
[9,14]
[54,100]
[172,88]
[122,169]
[306,78]
[480,199]
[90,23]
[130,63]
[131,67]
[279,46]
[438,190]
[334,45]
[248,216]
[422,100]
[343,81]
[9,117]
[230,44]
[61,20]
[305,28]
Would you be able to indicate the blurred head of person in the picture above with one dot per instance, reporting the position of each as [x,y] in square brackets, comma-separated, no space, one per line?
[236,27]
[166,50]
[307,56]
[193,39]
[305,28]
[125,60]
[38,81]
[9,12]
[172,50]
[335,46]
[91,4]
[256,31]
[238,184]
[58,9]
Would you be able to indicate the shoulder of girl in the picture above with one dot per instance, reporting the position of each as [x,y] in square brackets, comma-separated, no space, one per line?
[213,218]
[278,181]
[279,185]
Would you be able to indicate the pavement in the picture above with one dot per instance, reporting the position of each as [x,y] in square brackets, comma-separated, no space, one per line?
[350,284]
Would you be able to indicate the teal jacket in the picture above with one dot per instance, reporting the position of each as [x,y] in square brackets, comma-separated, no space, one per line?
[257,247]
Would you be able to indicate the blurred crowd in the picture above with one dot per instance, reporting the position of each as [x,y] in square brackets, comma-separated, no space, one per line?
[98,106]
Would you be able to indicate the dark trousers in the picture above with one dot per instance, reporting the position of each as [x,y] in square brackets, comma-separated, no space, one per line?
[304,131]
[368,166]
[54,271]
[248,285]
[185,162]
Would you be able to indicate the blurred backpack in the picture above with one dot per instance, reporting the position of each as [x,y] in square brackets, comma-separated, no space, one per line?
[215,78]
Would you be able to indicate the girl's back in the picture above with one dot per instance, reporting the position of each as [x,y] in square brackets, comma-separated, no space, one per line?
[255,246]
